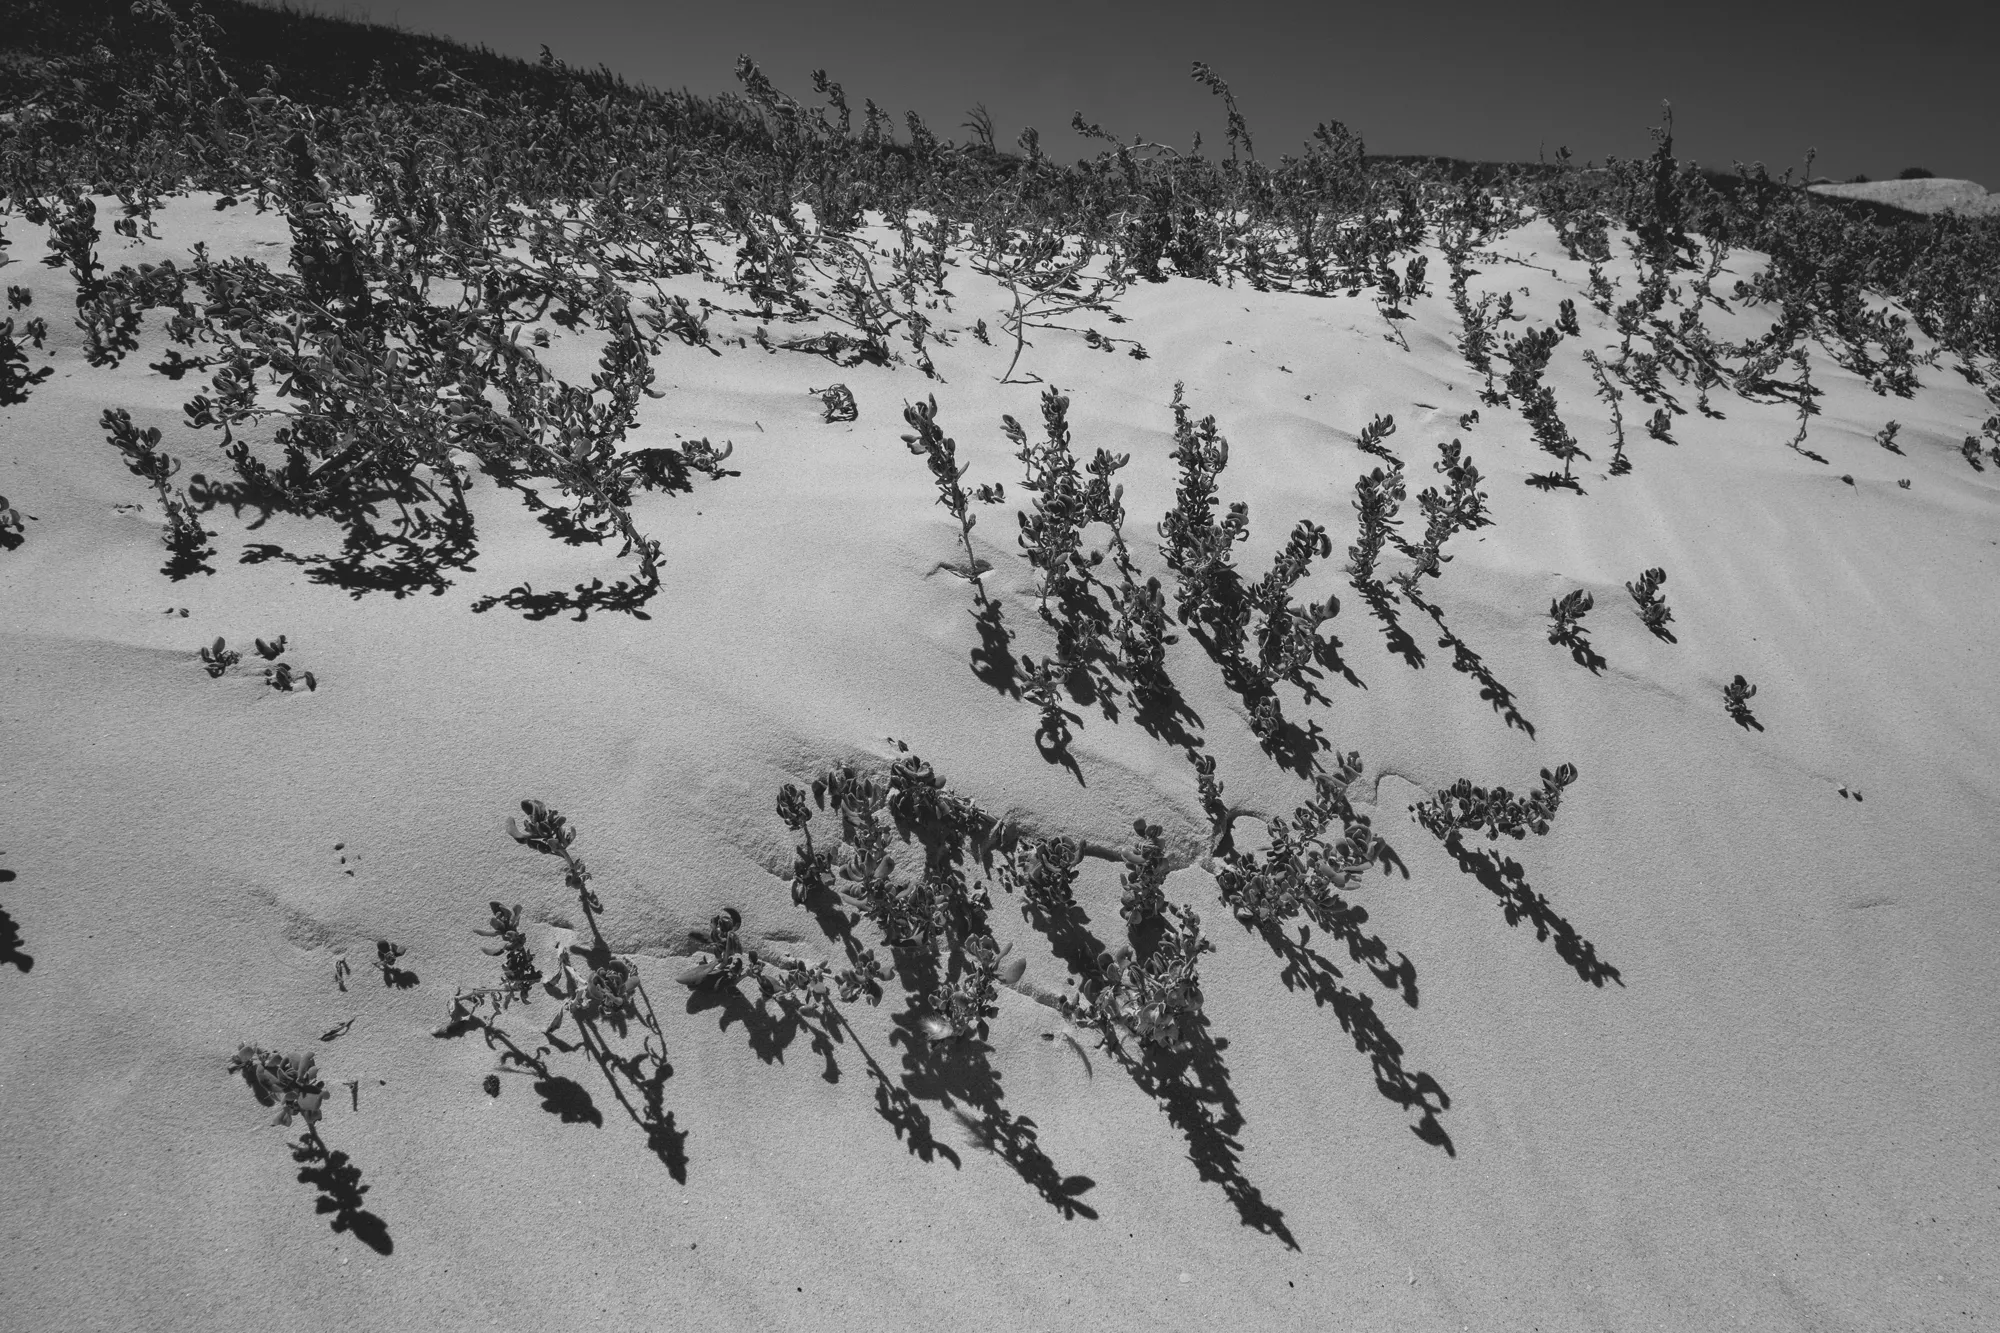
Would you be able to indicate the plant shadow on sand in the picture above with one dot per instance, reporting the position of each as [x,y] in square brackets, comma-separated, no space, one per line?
[771,1034]
[10,936]
[959,1075]
[413,552]
[338,1180]
[430,534]
[1467,662]
[1306,969]
[1191,1084]
[625,597]
[637,1079]
[1156,704]
[956,1074]
[1504,878]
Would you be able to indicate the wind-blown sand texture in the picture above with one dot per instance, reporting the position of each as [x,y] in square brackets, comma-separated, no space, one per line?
[1778,1108]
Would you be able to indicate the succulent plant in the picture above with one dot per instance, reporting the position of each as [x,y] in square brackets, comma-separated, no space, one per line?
[837,402]
[291,1083]
[1653,609]
[217,657]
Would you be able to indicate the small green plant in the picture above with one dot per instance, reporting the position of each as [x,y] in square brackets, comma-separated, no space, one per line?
[1611,395]
[1566,628]
[518,973]
[1802,393]
[609,992]
[1566,615]
[1379,428]
[388,961]
[280,676]
[1141,896]
[218,657]
[271,650]
[1197,547]
[1528,357]
[1736,696]
[1970,450]
[1287,632]
[1886,437]
[547,832]
[185,537]
[837,403]
[812,866]
[973,996]
[1661,426]
[1461,508]
[932,444]
[1652,608]
[293,1085]
[1377,497]
[290,1083]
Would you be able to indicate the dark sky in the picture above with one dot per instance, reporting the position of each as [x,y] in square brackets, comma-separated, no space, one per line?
[1875,88]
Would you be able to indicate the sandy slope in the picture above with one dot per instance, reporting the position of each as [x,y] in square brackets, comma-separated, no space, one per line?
[1781,1115]
[1927,195]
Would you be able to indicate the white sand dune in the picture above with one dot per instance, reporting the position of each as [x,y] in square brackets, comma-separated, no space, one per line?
[1927,195]
[1782,1112]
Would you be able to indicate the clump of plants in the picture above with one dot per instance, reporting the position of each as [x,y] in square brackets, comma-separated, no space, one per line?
[1142,893]
[16,379]
[282,675]
[1498,810]
[723,960]
[1153,999]
[933,917]
[1311,857]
